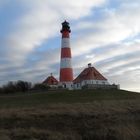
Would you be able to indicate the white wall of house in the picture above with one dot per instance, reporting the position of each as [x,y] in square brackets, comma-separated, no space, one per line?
[68,85]
[98,82]
[87,82]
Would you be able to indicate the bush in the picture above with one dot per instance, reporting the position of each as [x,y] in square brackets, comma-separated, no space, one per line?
[23,86]
[39,86]
[13,87]
[60,87]
[85,87]
[10,87]
[1,90]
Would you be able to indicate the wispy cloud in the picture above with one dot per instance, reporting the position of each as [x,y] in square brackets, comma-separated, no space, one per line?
[103,33]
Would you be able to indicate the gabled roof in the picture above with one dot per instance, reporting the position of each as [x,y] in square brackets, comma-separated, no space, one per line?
[89,73]
[50,81]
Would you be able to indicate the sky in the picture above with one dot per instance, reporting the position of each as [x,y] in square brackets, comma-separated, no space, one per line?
[105,33]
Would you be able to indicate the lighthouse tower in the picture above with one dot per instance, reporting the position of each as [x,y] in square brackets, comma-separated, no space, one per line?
[66,71]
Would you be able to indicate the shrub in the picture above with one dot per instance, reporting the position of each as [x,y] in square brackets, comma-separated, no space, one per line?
[23,86]
[13,87]
[85,87]
[40,86]
[10,87]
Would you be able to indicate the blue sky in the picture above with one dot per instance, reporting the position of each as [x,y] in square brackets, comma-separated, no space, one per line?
[105,33]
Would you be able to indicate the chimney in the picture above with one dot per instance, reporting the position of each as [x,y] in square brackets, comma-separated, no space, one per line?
[89,65]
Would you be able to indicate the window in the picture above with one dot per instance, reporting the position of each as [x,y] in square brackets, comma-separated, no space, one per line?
[103,83]
[85,82]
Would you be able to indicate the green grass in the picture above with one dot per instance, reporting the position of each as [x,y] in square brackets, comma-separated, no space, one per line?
[51,97]
[70,115]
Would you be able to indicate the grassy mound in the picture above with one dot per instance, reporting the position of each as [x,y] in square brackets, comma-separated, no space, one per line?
[71,115]
[52,97]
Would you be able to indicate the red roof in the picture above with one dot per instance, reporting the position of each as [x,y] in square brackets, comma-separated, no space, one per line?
[89,73]
[50,81]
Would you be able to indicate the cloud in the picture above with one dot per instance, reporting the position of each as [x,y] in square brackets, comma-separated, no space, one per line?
[112,44]
[3,2]
[102,33]
[37,24]
[112,29]
[40,22]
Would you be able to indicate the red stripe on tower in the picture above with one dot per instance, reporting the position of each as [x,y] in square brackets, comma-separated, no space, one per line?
[66,71]
[65,34]
[65,52]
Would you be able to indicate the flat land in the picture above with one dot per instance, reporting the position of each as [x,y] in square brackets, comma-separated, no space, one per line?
[70,115]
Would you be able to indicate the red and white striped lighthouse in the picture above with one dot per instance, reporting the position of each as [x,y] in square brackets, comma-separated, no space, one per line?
[66,71]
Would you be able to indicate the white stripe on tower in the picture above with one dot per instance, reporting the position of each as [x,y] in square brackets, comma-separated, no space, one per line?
[66,63]
[66,71]
[65,43]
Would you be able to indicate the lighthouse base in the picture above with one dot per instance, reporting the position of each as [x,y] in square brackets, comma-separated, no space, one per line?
[66,85]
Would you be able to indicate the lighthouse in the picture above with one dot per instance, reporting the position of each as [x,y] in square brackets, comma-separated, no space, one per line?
[66,71]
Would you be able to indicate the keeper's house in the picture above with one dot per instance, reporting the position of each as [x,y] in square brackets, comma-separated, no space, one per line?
[92,78]
[51,81]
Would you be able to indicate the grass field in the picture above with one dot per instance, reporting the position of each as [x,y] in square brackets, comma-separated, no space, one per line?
[53,97]
[70,115]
